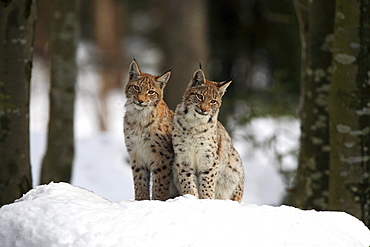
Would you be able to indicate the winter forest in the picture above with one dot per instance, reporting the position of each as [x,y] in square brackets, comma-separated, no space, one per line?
[297,110]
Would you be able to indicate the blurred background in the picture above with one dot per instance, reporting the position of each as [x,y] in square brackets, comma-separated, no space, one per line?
[254,42]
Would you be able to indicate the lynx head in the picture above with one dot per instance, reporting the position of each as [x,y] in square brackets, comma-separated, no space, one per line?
[203,97]
[144,90]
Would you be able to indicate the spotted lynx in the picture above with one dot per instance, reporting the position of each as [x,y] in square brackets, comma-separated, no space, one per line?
[147,129]
[207,165]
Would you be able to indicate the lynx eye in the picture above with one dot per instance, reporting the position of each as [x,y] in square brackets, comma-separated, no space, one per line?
[200,97]
[150,92]
[212,102]
[136,88]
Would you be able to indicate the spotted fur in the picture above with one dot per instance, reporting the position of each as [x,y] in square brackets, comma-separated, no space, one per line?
[207,164]
[147,129]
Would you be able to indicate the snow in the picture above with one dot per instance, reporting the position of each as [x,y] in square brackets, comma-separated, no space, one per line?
[60,214]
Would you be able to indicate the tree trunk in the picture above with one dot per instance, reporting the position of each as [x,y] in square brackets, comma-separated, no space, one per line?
[57,163]
[17,20]
[185,44]
[313,170]
[349,107]
[108,21]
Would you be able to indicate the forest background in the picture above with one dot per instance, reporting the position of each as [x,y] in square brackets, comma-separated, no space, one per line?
[307,60]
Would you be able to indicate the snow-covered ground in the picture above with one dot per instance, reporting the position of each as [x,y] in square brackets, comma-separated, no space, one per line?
[60,214]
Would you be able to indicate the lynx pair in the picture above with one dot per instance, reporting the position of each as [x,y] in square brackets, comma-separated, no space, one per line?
[183,152]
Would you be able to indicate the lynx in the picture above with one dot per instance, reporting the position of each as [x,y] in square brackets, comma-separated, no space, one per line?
[147,130]
[207,165]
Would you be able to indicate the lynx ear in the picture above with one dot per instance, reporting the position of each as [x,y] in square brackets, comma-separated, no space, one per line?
[198,79]
[222,86]
[134,71]
[163,79]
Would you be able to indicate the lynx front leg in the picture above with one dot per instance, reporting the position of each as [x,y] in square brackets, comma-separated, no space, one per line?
[207,182]
[161,182]
[239,190]
[187,179]
[141,182]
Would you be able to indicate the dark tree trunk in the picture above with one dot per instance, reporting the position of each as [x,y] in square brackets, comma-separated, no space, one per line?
[313,170]
[185,44]
[17,19]
[57,163]
[349,107]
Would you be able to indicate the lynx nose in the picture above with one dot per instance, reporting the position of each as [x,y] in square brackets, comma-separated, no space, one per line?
[139,100]
[202,110]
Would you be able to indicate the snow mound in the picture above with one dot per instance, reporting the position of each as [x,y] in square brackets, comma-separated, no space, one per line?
[61,192]
[60,214]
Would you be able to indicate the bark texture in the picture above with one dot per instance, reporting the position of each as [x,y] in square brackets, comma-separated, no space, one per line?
[313,170]
[57,163]
[350,110]
[17,19]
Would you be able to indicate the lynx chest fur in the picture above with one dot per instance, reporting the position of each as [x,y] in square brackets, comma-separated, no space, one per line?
[147,129]
[207,165]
